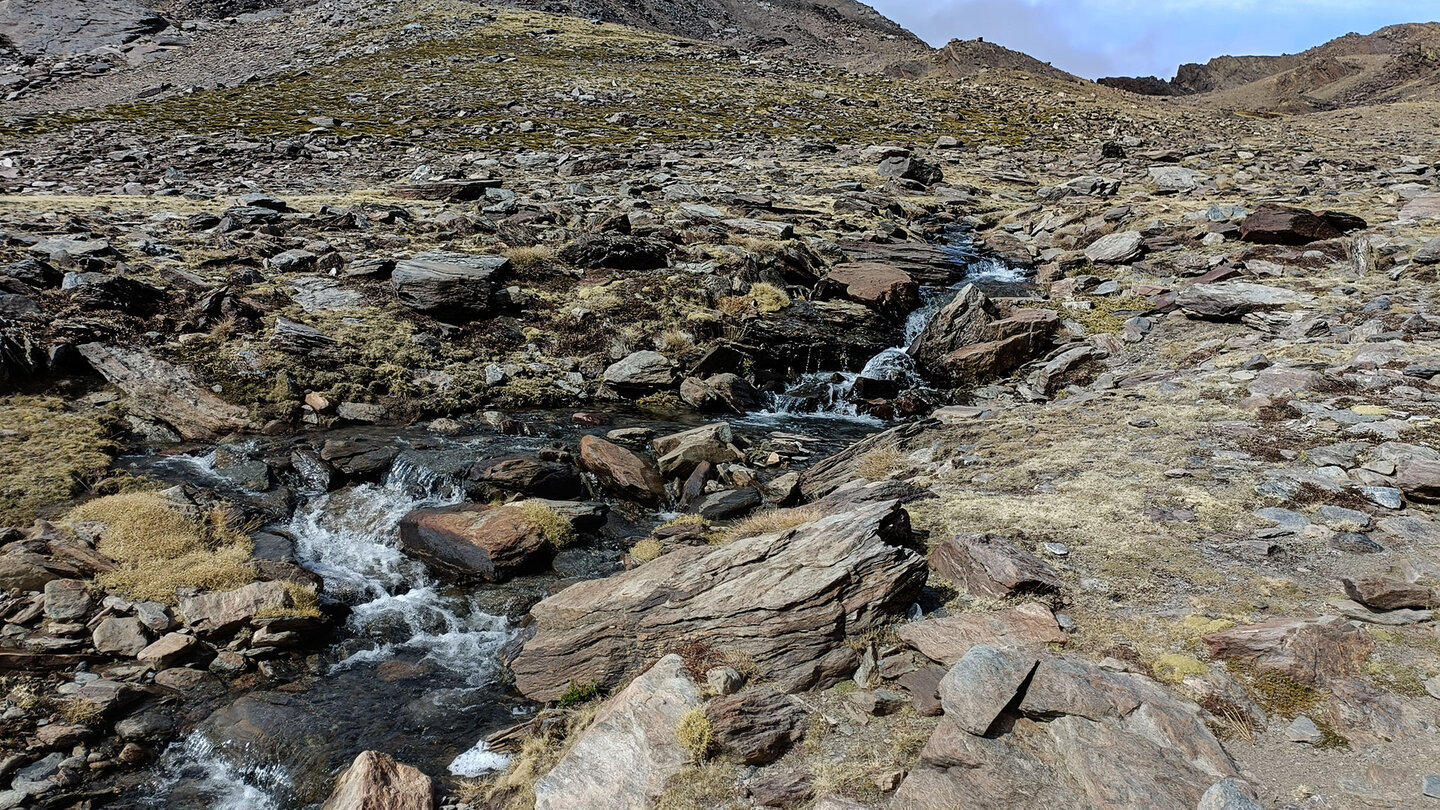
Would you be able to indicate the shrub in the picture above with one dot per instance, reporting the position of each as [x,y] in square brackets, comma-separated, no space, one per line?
[768,297]
[696,735]
[647,550]
[531,260]
[159,548]
[578,694]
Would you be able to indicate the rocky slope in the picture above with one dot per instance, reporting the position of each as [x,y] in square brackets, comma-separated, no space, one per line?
[1398,63]
[433,422]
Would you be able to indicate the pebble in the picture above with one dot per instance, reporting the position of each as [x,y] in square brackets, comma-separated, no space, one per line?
[1304,730]
[1431,786]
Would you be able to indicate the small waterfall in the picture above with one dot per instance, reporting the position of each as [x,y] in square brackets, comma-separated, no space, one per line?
[213,782]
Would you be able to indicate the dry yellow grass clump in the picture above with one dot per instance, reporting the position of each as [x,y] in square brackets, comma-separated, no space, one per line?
[552,525]
[770,520]
[768,298]
[159,548]
[48,455]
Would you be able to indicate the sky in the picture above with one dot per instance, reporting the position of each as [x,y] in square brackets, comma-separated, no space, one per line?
[1094,38]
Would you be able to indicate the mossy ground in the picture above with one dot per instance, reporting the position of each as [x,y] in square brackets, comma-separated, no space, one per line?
[49,453]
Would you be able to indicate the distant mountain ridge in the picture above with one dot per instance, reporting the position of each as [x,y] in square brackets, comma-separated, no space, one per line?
[1396,63]
[965,58]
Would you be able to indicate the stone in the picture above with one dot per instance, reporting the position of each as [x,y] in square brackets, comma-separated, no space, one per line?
[948,638]
[218,613]
[448,286]
[169,650]
[910,167]
[1230,300]
[640,374]
[1116,248]
[1176,178]
[722,392]
[120,636]
[681,452]
[729,504]
[475,541]
[1303,730]
[1419,479]
[1229,794]
[1430,786]
[298,338]
[1381,593]
[22,570]
[923,686]
[989,565]
[617,251]
[61,735]
[166,393]
[786,790]
[1077,366]
[756,726]
[1428,253]
[67,600]
[962,322]
[624,758]
[885,288]
[1311,651]
[981,684]
[1281,225]
[58,28]
[622,472]
[375,781]
[292,261]
[527,476]
[786,599]
[724,680]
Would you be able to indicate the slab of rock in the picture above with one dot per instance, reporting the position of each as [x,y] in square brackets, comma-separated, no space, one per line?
[1013,342]
[910,167]
[528,476]
[989,565]
[1073,736]
[166,393]
[222,612]
[67,600]
[120,636]
[1116,248]
[787,599]
[450,287]
[757,726]
[1419,479]
[640,374]
[1230,300]
[624,758]
[1229,794]
[617,251]
[885,288]
[1312,651]
[22,570]
[474,541]
[1381,593]
[298,338]
[981,684]
[622,472]
[375,781]
[69,27]
[948,638]
[171,649]
[1280,225]
[722,392]
[1428,253]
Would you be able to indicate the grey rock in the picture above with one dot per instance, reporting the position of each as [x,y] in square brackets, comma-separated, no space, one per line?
[120,636]
[67,600]
[298,338]
[293,261]
[1428,253]
[68,27]
[1303,730]
[447,286]
[1229,300]
[1116,248]
[1229,794]
[641,373]
[1431,786]
[979,687]
[166,393]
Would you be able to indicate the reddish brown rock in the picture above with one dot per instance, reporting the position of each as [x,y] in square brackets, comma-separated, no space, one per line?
[1280,225]
[620,471]
[375,781]
[170,650]
[757,725]
[1388,594]
[1311,651]
[885,288]
[948,638]
[988,565]
[474,541]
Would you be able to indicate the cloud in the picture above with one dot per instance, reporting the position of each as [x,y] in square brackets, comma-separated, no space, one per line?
[1143,37]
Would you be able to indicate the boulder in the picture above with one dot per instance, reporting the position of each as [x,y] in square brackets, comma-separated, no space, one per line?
[814,334]
[1428,253]
[22,570]
[788,600]
[298,338]
[166,393]
[722,392]
[528,476]
[885,288]
[616,251]
[171,649]
[1229,300]
[1281,225]
[728,504]
[67,600]
[120,636]
[474,541]
[1419,479]
[375,781]
[620,471]
[680,452]
[1077,366]
[624,759]
[57,28]
[1116,248]
[1073,735]
[445,286]
[642,373]
[962,322]
[946,639]
[989,565]
[1311,651]
[909,167]
[216,614]
[1382,593]
[756,726]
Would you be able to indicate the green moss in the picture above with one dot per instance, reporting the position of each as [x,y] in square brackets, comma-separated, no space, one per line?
[577,694]
[1279,694]
[1106,315]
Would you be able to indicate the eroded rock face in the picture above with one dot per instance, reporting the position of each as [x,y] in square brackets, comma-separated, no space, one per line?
[757,726]
[375,781]
[1229,300]
[946,639]
[221,612]
[1309,650]
[1279,225]
[788,600]
[64,27]
[962,322]
[624,758]
[989,565]
[1073,735]
[641,373]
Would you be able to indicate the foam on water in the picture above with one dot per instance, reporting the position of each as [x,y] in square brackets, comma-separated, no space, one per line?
[216,781]
[478,761]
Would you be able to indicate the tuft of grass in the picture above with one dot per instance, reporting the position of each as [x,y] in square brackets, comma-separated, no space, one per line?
[697,735]
[683,520]
[711,786]
[1106,315]
[768,298]
[81,712]
[515,788]
[770,520]
[304,604]
[558,531]
[578,694]
[159,548]
[878,465]
[647,550]
[661,401]
[532,260]
[1175,667]
[48,455]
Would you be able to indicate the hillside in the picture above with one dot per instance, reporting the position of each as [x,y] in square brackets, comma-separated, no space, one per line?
[1398,63]
[965,58]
